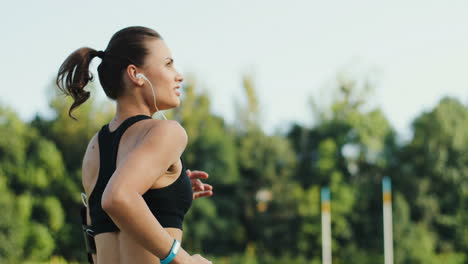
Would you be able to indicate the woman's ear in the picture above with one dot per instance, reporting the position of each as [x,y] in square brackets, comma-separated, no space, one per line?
[131,73]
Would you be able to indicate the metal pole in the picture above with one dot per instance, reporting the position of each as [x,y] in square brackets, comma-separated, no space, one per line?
[326,227]
[387,218]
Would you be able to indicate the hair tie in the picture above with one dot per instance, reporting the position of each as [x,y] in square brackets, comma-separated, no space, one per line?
[100,54]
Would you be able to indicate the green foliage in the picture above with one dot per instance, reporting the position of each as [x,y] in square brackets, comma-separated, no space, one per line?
[433,173]
[39,243]
[53,213]
[30,165]
[210,148]
[11,234]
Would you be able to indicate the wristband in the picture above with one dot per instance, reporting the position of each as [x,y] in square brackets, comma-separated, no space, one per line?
[174,249]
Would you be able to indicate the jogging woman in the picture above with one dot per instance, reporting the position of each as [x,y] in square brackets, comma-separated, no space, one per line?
[137,186]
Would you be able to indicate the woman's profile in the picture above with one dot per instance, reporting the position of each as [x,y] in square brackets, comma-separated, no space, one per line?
[138,189]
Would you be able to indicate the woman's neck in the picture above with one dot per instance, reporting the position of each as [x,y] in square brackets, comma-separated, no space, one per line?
[128,107]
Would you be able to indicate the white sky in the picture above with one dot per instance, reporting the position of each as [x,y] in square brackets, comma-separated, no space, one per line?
[417,51]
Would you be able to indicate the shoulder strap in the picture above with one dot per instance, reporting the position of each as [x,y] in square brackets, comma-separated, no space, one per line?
[109,146]
[118,133]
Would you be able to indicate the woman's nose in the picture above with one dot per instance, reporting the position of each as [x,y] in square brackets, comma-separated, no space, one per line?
[179,77]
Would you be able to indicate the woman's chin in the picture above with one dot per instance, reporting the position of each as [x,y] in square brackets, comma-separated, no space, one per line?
[176,103]
[171,105]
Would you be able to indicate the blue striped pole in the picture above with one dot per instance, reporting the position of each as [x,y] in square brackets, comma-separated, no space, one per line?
[387,218]
[326,226]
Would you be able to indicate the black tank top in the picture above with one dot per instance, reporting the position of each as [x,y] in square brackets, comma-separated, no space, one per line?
[168,204]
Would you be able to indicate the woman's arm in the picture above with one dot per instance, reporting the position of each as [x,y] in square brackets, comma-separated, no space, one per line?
[90,170]
[122,199]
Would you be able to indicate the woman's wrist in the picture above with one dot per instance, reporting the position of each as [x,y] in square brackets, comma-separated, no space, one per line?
[182,257]
[172,253]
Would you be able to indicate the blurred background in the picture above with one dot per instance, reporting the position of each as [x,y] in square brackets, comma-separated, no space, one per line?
[280,99]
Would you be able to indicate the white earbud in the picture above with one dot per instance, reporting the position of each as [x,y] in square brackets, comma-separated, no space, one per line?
[142,76]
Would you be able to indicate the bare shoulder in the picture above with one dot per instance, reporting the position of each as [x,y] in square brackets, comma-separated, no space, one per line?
[90,166]
[165,130]
[161,145]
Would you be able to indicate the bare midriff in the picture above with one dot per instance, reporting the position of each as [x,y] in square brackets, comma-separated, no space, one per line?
[119,248]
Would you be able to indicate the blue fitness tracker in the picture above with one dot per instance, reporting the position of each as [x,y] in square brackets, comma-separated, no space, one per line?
[174,249]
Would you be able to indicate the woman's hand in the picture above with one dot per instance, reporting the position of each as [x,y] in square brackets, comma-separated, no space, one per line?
[199,188]
[198,259]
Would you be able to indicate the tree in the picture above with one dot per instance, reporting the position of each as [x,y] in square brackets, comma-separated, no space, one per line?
[266,164]
[210,148]
[30,170]
[433,173]
[347,149]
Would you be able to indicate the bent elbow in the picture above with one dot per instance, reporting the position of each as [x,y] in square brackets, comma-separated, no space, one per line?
[112,200]
[106,204]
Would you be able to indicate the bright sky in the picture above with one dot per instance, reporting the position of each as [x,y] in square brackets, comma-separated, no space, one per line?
[417,51]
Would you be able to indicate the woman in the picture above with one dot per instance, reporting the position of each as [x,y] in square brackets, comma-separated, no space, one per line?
[138,190]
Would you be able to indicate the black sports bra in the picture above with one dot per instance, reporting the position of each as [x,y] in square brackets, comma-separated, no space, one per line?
[168,204]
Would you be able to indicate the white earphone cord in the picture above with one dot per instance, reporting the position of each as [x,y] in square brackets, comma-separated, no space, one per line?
[154,98]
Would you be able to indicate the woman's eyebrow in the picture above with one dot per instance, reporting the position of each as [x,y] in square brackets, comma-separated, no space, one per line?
[170,59]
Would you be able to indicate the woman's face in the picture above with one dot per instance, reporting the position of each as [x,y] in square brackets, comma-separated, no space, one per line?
[160,71]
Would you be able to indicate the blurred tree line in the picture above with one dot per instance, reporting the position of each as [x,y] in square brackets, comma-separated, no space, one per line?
[266,206]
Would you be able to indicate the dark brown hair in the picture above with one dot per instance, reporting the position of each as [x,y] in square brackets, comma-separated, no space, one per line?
[126,47]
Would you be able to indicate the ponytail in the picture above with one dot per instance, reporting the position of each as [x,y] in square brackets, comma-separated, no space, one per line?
[74,75]
[127,46]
